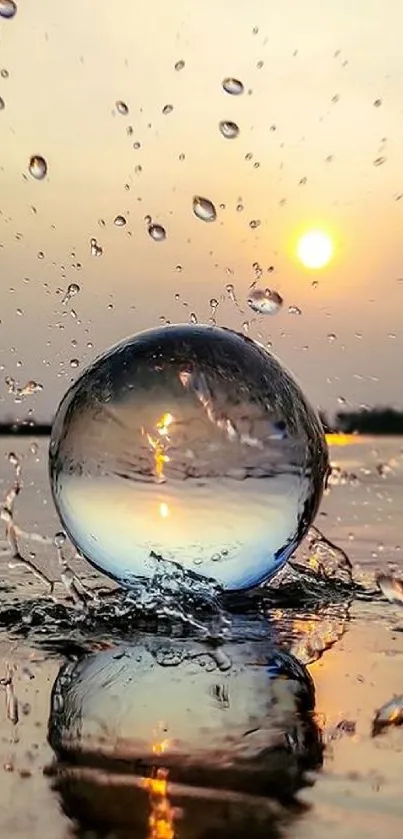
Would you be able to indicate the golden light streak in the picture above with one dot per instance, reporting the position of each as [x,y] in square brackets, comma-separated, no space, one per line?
[159,445]
[161,818]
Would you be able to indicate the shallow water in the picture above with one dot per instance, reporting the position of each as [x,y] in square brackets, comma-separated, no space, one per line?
[156,730]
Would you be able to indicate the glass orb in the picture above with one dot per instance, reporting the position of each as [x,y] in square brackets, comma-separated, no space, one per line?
[189,444]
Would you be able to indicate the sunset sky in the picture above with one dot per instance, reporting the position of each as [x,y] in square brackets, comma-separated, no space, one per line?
[319,146]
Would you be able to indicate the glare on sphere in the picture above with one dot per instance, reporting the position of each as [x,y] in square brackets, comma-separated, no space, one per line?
[190,444]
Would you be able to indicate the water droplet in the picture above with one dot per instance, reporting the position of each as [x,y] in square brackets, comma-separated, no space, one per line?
[233,86]
[4,73]
[335,99]
[265,301]
[119,221]
[254,223]
[167,109]
[121,107]
[59,539]
[228,129]
[38,167]
[204,209]
[96,249]
[181,157]
[157,232]
[193,317]
[179,65]
[379,161]
[229,288]
[142,408]
[259,65]
[2,104]
[213,304]
[8,8]
[239,208]
[377,103]
[331,337]
[294,310]
[72,290]
[74,362]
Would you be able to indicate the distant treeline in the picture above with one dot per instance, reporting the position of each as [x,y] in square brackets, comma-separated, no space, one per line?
[366,421]
[27,429]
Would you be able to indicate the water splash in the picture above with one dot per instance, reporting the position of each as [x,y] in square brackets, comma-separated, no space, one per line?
[306,606]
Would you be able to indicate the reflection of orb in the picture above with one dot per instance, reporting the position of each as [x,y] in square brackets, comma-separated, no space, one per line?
[192,444]
[227,726]
[315,249]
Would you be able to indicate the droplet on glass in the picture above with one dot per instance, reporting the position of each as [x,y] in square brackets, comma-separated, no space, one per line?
[38,167]
[332,337]
[4,73]
[204,209]
[193,317]
[179,65]
[74,362]
[265,301]
[121,107]
[167,109]
[157,232]
[377,103]
[233,86]
[119,221]
[254,223]
[228,129]
[379,161]
[294,310]
[8,8]
[2,104]
[150,427]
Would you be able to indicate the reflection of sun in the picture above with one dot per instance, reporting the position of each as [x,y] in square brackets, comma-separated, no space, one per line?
[315,249]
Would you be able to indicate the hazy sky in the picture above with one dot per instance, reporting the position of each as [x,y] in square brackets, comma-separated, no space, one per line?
[307,113]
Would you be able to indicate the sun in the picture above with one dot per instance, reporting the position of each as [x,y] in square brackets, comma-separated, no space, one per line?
[315,249]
